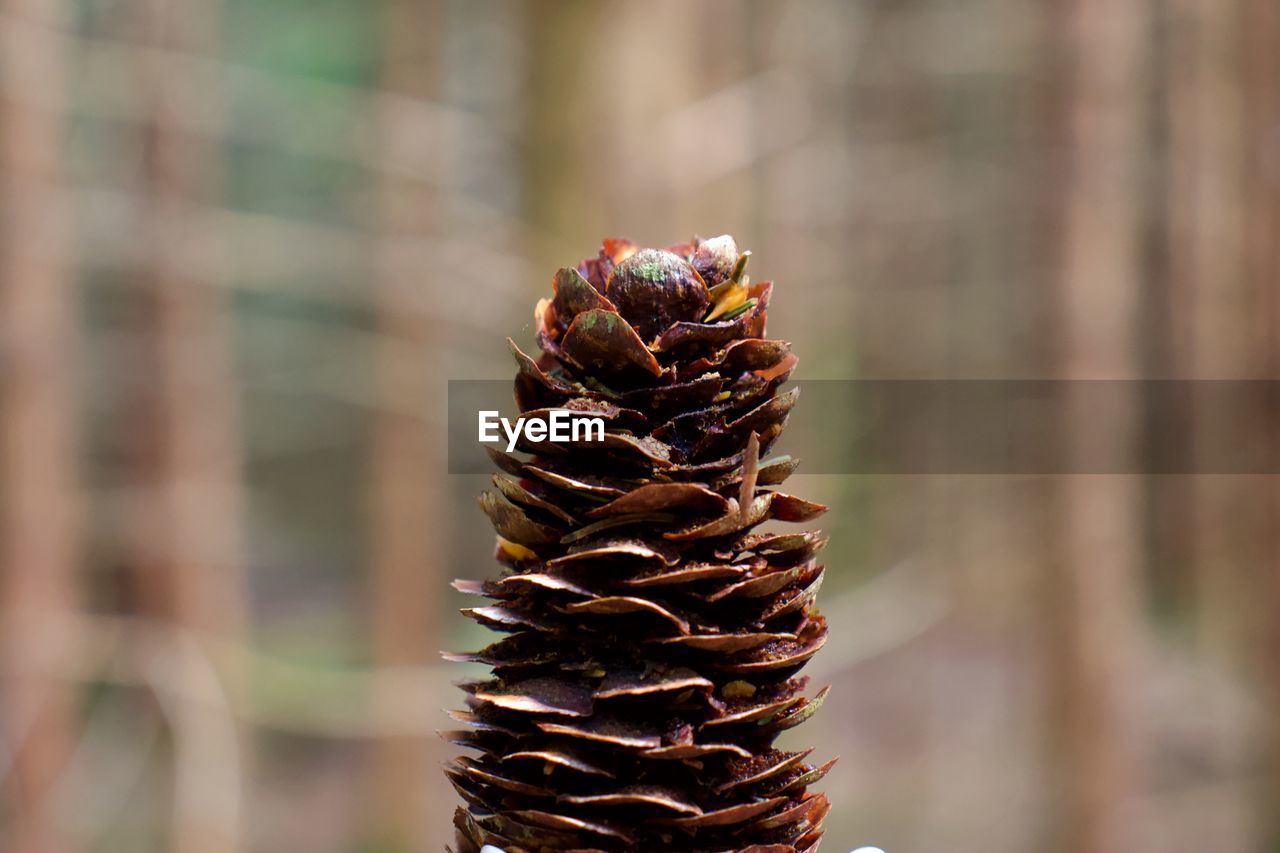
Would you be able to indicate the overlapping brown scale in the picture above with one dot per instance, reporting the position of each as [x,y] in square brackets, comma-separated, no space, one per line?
[705,470]
[764,506]
[635,684]
[779,372]
[791,508]
[686,574]
[664,497]
[470,836]
[809,842]
[751,772]
[776,655]
[516,492]
[534,387]
[550,820]
[606,410]
[740,356]
[663,799]
[608,525]
[609,731]
[771,472]
[729,642]
[585,484]
[729,815]
[514,523]
[799,545]
[472,719]
[714,459]
[638,448]
[604,344]
[679,396]
[760,584]
[505,461]
[560,758]
[526,649]
[573,295]
[523,828]
[468,587]
[723,419]
[749,324]
[472,739]
[793,599]
[501,618]
[617,418]
[636,551]
[752,703]
[767,414]
[805,808]
[615,605]
[652,636]
[475,793]
[682,751]
[538,696]
[733,520]
[796,714]
[541,580]
[688,430]
[800,777]
[545,333]
[480,773]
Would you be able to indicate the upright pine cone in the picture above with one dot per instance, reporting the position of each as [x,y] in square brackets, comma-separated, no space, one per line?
[654,639]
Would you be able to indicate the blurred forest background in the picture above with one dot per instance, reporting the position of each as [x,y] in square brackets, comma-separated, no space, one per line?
[245,244]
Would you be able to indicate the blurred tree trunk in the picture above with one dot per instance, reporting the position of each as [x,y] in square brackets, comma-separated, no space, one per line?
[1213,305]
[199,445]
[1094,593]
[189,526]
[407,475]
[1226,111]
[559,202]
[39,513]
[1260,55]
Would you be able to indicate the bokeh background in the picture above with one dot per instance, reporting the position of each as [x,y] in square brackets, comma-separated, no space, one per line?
[246,243]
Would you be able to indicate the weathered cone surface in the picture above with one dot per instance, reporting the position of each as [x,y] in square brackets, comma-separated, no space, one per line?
[654,636]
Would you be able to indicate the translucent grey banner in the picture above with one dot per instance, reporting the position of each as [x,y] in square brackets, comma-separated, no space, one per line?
[1013,427]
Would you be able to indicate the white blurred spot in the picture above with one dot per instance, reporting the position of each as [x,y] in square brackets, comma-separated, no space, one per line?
[868,850]
[489,848]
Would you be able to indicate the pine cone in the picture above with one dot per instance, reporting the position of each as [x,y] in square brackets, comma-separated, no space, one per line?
[654,639]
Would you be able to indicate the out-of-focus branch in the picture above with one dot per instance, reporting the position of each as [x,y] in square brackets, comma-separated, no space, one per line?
[259,691]
[384,131]
[311,261]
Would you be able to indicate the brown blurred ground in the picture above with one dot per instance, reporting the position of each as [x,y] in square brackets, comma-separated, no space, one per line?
[244,245]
